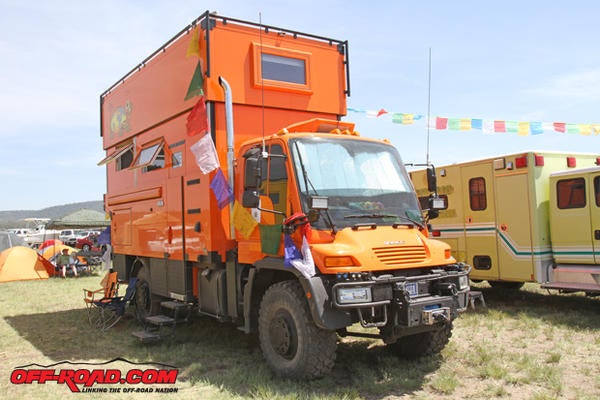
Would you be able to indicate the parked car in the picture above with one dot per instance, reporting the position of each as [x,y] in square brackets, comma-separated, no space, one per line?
[86,241]
[68,236]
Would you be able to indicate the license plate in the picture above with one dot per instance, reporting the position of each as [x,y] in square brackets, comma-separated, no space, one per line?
[412,288]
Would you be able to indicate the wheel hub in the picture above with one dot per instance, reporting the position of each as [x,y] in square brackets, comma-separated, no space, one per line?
[283,337]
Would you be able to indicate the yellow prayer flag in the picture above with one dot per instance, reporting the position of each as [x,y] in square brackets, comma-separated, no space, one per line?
[408,119]
[242,220]
[194,46]
[585,129]
[523,128]
[465,124]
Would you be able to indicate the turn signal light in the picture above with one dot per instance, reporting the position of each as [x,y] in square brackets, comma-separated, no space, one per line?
[447,253]
[341,261]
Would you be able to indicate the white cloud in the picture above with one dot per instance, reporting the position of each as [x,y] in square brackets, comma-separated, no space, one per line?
[581,85]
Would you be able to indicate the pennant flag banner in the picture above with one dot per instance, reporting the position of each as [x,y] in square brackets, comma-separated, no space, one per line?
[242,220]
[221,189]
[521,128]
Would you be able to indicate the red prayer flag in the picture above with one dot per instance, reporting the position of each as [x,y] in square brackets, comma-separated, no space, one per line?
[197,120]
[560,127]
[441,123]
[381,112]
[499,126]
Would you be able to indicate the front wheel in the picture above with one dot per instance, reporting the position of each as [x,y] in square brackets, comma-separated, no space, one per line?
[423,344]
[293,346]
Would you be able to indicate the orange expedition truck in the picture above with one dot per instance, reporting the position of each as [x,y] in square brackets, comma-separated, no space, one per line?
[234,187]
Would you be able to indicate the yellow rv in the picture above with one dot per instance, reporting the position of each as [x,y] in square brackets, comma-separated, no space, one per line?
[525,217]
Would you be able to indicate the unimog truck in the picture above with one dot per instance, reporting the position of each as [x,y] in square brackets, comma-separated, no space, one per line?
[234,186]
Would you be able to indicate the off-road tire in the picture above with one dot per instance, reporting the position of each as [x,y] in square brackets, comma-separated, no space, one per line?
[146,303]
[293,346]
[423,344]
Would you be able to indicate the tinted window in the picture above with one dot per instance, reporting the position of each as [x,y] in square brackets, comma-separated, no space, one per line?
[571,193]
[477,195]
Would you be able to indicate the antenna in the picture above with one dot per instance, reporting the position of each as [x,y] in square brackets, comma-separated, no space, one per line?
[428,106]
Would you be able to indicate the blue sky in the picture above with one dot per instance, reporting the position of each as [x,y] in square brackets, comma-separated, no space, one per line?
[509,60]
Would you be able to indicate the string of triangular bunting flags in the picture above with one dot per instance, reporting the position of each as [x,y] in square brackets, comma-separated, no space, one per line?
[522,128]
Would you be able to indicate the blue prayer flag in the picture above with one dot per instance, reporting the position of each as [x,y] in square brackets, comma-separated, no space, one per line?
[221,189]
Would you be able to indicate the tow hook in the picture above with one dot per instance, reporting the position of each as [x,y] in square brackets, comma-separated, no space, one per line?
[431,317]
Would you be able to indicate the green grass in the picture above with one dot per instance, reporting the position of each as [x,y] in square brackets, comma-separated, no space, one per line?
[527,344]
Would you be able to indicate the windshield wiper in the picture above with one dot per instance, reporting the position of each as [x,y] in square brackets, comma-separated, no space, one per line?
[408,218]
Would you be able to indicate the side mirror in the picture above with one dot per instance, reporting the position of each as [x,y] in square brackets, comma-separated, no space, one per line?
[435,204]
[431,179]
[250,199]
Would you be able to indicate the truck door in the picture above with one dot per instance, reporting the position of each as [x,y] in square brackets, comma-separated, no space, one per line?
[574,220]
[595,214]
[515,254]
[480,217]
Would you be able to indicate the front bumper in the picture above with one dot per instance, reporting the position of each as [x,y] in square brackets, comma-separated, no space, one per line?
[405,302]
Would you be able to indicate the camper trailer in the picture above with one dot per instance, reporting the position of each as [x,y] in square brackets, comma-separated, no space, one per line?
[524,217]
[234,187]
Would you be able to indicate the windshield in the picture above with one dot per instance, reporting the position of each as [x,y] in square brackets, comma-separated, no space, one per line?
[365,182]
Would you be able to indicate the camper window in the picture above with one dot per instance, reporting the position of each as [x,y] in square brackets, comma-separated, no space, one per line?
[477,195]
[571,193]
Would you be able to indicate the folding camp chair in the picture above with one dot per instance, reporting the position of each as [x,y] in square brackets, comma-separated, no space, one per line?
[105,312]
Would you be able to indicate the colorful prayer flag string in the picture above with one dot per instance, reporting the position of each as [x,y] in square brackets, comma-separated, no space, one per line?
[522,128]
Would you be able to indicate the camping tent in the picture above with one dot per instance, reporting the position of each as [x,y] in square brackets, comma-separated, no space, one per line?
[49,252]
[81,219]
[21,263]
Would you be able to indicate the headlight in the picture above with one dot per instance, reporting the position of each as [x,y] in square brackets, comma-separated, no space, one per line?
[354,295]
[463,282]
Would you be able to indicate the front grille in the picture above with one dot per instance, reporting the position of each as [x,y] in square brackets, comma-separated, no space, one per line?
[400,255]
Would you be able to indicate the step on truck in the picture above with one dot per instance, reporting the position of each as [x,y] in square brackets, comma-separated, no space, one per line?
[522,217]
[234,185]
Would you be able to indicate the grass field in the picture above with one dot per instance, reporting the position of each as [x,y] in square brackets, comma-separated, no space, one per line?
[526,345]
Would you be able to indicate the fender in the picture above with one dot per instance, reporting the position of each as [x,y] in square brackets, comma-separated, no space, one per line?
[323,314]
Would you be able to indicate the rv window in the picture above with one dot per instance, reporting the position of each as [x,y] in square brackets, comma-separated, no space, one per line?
[597,190]
[570,193]
[285,69]
[124,160]
[123,157]
[151,157]
[477,195]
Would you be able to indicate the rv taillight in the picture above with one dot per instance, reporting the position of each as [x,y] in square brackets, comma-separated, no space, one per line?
[436,233]
[521,162]
[539,161]
[597,160]
[571,162]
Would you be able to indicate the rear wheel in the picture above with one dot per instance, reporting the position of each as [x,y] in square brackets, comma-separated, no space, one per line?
[145,301]
[423,344]
[291,343]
